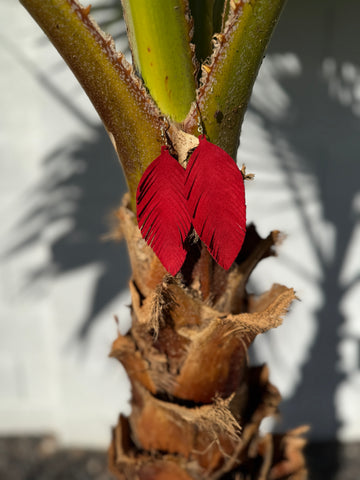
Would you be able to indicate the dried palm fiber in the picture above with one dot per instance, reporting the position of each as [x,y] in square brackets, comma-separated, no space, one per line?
[196,403]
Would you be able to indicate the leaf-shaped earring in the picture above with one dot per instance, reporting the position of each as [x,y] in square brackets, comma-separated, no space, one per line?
[162,211]
[214,188]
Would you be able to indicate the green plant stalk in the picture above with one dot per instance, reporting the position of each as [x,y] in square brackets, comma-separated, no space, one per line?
[159,35]
[227,86]
[129,115]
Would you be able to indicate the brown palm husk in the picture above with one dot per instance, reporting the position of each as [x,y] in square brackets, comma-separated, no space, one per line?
[196,403]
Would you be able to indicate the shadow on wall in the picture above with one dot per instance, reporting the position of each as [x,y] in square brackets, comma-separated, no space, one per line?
[82,184]
[319,138]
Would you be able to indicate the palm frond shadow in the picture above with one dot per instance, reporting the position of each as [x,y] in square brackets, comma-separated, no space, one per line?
[82,183]
[321,132]
[81,186]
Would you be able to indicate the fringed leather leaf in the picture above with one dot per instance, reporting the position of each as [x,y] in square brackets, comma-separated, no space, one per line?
[162,211]
[214,189]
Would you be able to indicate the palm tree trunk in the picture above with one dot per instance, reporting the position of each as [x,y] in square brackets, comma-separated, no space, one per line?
[196,403]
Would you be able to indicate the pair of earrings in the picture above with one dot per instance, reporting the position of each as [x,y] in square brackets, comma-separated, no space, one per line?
[208,195]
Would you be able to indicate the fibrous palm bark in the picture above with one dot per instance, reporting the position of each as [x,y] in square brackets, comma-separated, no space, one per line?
[196,403]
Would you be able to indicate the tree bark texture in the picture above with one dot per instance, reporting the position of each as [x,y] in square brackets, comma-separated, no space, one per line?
[196,403]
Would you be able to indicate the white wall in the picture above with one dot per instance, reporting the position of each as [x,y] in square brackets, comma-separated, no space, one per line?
[55,373]
[60,285]
[301,138]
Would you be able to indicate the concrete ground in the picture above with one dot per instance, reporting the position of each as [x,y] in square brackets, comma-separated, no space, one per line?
[40,458]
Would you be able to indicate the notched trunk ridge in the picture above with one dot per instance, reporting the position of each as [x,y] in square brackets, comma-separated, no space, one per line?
[197,404]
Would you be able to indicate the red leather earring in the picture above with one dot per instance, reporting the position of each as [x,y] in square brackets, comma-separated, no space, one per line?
[162,212]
